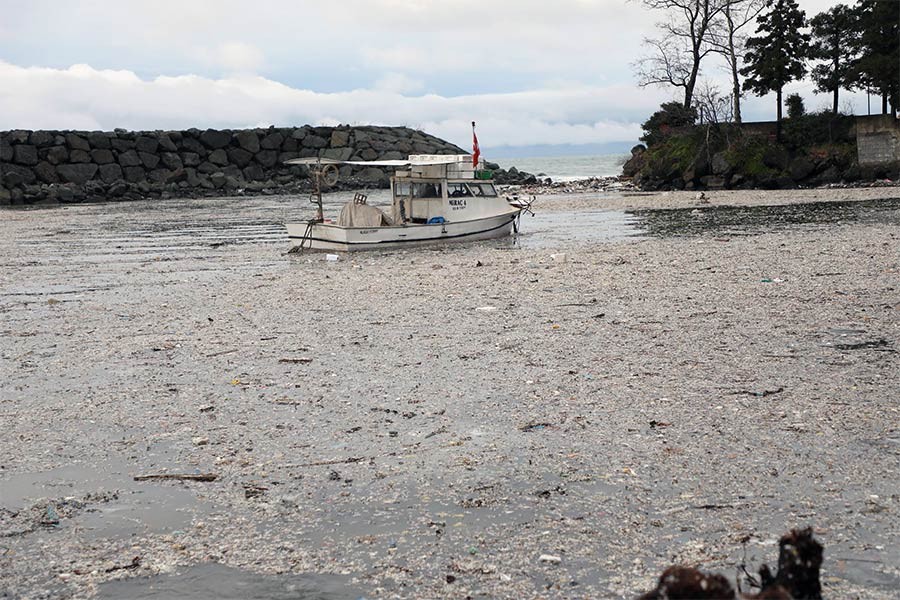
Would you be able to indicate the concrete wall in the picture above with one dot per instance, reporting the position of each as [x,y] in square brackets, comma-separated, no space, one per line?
[73,166]
[763,128]
[878,140]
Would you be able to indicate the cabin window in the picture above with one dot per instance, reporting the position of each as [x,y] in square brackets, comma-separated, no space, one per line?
[489,189]
[457,190]
[482,190]
[401,188]
[426,190]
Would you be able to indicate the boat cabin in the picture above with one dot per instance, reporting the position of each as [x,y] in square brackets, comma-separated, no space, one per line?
[426,192]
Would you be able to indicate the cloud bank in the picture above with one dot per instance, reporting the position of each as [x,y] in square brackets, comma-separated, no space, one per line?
[82,97]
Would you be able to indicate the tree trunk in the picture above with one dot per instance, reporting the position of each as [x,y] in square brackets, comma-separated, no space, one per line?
[733,63]
[778,117]
[884,102]
[691,83]
[836,65]
[735,86]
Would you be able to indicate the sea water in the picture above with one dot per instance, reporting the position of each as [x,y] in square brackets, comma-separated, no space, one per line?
[568,168]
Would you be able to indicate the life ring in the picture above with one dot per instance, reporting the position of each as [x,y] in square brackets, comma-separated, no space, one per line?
[329,175]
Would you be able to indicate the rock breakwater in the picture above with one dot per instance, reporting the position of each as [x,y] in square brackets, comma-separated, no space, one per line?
[75,166]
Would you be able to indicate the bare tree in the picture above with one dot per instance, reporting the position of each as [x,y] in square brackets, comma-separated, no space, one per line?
[675,56]
[728,40]
[712,106]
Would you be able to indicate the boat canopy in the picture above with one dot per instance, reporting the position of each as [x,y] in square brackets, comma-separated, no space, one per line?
[423,160]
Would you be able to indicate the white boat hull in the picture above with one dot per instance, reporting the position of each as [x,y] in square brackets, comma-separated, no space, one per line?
[328,236]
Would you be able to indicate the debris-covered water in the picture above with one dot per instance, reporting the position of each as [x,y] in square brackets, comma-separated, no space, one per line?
[218,582]
[186,406]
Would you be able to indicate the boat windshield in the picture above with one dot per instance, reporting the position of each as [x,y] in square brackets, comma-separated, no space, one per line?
[404,189]
[482,189]
[457,190]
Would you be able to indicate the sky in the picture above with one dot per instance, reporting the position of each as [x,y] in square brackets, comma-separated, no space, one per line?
[530,72]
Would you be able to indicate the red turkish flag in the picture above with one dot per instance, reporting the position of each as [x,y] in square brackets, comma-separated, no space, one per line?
[476,151]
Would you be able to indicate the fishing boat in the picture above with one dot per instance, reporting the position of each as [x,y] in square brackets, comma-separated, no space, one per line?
[435,199]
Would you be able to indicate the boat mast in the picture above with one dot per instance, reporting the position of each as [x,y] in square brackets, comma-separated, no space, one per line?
[317,172]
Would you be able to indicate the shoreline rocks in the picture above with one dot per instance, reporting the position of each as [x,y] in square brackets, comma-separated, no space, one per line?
[76,166]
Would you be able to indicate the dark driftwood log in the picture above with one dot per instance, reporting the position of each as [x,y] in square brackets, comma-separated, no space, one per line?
[177,477]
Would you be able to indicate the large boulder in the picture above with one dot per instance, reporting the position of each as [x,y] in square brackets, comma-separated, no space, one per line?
[254,173]
[336,153]
[16,176]
[340,138]
[171,160]
[698,168]
[314,141]
[18,136]
[146,144]
[76,142]
[46,172]
[373,175]
[77,173]
[829,175]
[218,157]
[423,148]
[215,139]
[240,156]
[218,179]
[134,174]
[207,168]
[720,165]
[130,158]
[149,159]
[6,151]
[102,156]
[248,140]
[25,154]
[166,143]
[79,156]
[368,154]
[189,144]
[110,172]
[190,159]
[267,158]
[272,141]
[801,168]
[98,139]
[121,144]
[57,155]
[41,139]
[158,175]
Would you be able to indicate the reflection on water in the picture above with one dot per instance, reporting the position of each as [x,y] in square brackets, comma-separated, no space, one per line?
[754,220]
[556,229]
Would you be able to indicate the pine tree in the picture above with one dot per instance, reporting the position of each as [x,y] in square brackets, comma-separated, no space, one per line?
[776,55]
[878,66]
[833,37]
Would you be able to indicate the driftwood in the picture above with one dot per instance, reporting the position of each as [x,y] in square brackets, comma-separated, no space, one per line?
[177,477]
